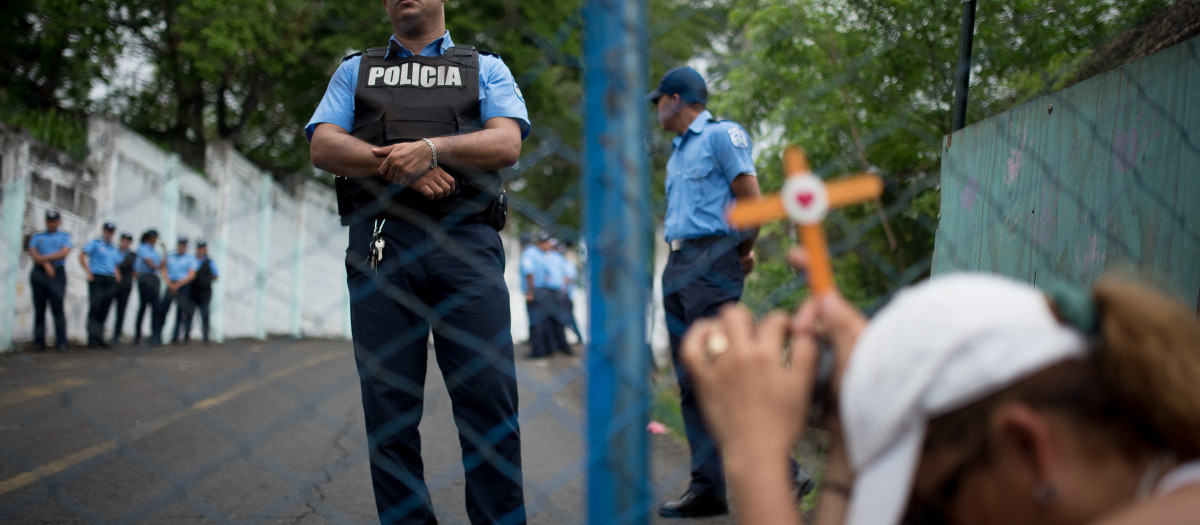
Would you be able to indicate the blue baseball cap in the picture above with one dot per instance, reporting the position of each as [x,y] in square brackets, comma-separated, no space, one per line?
[683,81]
[52,215]
[110,226]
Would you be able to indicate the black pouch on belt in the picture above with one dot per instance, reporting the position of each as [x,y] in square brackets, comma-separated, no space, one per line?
[497,211]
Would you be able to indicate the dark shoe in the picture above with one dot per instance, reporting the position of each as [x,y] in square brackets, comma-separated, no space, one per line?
[39,348]
[105,345]
[692,505]
[62,349]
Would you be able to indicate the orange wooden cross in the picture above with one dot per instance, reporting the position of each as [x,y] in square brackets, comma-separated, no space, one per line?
[805,199]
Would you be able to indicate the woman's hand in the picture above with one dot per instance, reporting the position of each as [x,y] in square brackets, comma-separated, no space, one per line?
[828,317]
[751,401]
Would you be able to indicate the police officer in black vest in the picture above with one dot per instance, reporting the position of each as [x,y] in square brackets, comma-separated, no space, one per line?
[416,132]
[206,273]
[125,286]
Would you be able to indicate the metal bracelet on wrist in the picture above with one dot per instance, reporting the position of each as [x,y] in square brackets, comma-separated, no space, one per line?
[432,164]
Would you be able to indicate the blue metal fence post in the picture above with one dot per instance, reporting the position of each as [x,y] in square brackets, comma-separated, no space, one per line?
[617,232]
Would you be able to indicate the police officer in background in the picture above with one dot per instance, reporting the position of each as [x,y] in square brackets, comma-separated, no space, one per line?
[125,285]
[710,167]
[556,284]
[534,272]
[572,276]
[48,280]
[179,270]
[416,132]
[206,273]
[530,257]
[149,263]
[99,259]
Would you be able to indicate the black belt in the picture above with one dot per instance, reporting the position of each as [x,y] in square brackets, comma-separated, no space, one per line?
[700,242]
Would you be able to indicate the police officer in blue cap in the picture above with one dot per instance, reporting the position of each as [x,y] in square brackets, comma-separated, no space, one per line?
[416,132]
[711,166]
[48,281]
[149,264]
[206,273]
[99,259]
[180,269]
[535,276]
[125,285]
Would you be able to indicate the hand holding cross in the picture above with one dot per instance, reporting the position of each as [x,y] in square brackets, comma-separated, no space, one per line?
[806,199]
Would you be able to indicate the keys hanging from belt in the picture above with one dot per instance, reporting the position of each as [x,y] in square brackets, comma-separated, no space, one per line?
[376,248]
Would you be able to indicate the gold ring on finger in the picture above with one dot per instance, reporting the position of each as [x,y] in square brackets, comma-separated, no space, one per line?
[717,343]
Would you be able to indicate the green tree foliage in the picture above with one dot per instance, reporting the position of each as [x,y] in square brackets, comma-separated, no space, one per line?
[868,85]
[55,50]
[252,72]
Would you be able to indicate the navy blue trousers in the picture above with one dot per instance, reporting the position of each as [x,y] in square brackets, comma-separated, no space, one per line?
[696,282]
[148,299]
[547,335]
[48,291]
[450,281]
[121,301]
[101,292]
[182,298]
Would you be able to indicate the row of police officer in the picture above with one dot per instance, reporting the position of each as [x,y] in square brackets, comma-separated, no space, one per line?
[548,282]
[111,270]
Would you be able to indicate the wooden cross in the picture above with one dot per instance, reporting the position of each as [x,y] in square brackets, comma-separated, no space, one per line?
[806,199]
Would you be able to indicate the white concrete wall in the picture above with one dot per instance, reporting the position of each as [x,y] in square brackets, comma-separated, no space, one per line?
[254,227]
[281,253]
[37,178]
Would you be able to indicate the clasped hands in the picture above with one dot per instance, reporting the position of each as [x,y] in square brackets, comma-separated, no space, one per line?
[752,392]
[408,164]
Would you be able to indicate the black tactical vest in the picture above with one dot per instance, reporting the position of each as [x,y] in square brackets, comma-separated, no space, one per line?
[126,269]
[405,100]
[204,277]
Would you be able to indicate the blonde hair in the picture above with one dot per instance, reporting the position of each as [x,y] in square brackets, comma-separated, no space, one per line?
[1140,389]
[1149,356]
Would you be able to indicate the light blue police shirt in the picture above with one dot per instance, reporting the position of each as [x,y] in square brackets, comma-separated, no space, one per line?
[46,243]
[146,251]
[572,274]
[103,257]
[499,95]
[705,161]
[556,270]
[531,261]
[178,266]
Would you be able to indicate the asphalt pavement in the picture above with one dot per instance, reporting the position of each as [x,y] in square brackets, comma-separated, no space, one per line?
[259,432]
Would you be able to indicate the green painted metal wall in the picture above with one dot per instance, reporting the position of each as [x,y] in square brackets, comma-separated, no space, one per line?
[1101,177]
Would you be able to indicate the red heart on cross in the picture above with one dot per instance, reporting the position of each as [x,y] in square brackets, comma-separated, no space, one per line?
[806,198]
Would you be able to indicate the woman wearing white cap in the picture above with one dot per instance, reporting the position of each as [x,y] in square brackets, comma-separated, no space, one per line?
[969,399]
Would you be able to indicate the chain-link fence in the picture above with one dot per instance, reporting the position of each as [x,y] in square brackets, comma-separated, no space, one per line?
[1079,159]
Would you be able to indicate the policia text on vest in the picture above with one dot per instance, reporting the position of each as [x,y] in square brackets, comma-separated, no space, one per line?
[415,75]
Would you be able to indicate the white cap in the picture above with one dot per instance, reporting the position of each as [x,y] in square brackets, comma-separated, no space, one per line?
[936,347]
